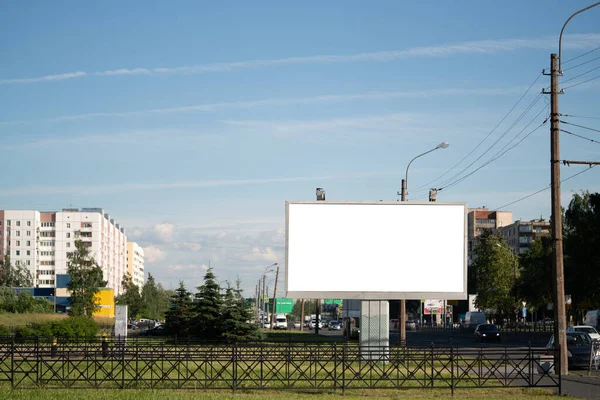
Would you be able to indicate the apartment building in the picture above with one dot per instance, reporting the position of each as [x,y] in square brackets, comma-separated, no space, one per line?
[135,263]
[42,241]
[520,234]
[480,220]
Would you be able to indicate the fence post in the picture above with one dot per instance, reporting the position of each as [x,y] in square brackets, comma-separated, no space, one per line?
[559,370]
[37,361]
[335,364]
[12,362]
[431,354]
[122,364]
[452,367]
[344,345]
[234,365]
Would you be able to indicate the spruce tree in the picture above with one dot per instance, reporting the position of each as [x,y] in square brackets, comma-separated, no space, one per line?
[237,325]
[207,307]
[179,317]
[86,280]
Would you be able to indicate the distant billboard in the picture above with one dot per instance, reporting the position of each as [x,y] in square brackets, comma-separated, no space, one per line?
[433,307]
[375,250]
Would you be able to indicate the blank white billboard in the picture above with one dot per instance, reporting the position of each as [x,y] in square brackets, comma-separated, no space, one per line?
[376,250]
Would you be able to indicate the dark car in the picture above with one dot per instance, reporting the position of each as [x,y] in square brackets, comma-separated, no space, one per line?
[579,348]
[487,332]
[156,331]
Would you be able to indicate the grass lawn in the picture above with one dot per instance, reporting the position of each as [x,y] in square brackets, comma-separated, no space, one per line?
[484,394]
[16,320]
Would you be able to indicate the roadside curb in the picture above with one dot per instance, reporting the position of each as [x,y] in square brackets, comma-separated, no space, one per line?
[590,380]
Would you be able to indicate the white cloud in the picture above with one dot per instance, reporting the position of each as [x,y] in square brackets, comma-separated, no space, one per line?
[187,267]
[126,187]
[263,254]
[47,78]
[573,41]
[153,254]
[188,246]
[164,232]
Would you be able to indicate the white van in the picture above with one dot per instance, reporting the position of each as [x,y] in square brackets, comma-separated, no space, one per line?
[592,318]
[280,322]
[474,318]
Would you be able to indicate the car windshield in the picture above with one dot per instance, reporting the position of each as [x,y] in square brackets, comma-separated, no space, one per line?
[578,340]
[488,327]
[586,329]
[280,319]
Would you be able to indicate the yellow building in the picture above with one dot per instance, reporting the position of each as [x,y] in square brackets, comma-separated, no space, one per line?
[106,300]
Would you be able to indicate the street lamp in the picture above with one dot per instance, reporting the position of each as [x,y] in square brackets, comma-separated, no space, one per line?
[402,316]
[264,289]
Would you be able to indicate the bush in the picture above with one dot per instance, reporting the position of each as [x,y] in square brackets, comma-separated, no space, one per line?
[4,331]
[25,332]
[75,327]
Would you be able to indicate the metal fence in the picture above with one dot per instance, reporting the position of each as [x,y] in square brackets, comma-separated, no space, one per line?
[161,364]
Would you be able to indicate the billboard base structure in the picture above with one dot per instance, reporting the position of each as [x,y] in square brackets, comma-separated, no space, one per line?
[374,339]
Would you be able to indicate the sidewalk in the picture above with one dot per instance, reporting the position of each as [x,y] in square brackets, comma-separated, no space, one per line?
[579,384]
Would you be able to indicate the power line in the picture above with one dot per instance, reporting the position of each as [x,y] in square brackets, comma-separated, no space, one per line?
[581,83]
[446,182]
[579,136]
[577,116]
[581,55]
[583,63]
[500,153]
[580,75]
[544,189]
[580,126]
[487,136]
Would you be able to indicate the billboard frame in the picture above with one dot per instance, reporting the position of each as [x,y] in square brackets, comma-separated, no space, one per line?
[371,295]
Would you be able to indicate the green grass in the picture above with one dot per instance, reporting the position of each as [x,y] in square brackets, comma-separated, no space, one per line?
[375,394]
[17,320]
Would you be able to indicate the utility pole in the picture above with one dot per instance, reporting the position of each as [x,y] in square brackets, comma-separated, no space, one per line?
[274,298]
[320,197]
[402,314]
[263,297]
[556,223]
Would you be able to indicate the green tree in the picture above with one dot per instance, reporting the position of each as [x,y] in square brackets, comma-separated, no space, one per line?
[582,250]
[179,317]
[208,302]
[130,297]
[237,317]
[534,284]
[155,300]
[494,272]
[14,276]
[8,299]
[86,280]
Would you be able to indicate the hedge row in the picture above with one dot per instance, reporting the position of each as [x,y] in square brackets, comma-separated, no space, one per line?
[69,327]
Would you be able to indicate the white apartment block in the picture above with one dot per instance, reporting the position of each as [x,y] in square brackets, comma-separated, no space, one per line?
[43,240]
[135,263]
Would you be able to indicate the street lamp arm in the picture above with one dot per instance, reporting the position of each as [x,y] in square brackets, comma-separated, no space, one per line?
[563,29]
[442,145]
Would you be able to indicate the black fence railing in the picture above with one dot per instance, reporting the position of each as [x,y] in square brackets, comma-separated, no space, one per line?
[163,364]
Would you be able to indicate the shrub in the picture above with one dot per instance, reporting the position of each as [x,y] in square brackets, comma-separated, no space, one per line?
[4,331]
[25,332]
[75,327]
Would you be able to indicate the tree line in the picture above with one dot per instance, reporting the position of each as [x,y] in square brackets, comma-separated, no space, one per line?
[502,280]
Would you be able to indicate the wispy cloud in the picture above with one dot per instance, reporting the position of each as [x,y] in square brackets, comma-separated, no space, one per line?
[211,107]
[573,41]
[128,187]
[47,78]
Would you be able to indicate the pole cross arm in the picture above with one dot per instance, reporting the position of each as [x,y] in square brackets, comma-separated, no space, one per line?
[590,163]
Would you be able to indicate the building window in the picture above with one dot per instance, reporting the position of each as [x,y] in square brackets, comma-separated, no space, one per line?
[68,235]
[68,244]
[68,224]
[18,233]
[8,222]
[18,242]
[18,253]
[28,233]
[28,262]
[28,252]
[28,223]
[18,223]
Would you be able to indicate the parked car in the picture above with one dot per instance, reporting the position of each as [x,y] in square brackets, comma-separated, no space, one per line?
[487,332]
[593,333]
[579,349]
[313,322]
[157,331]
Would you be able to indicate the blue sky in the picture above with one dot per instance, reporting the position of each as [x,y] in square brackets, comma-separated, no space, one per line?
[192,122]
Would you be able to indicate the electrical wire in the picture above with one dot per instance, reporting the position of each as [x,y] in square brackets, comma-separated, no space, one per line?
[579,136]
[580,75]
[581,55]
[580,126]
[583,63]
[455,176]
[485,138]
[577,116]
[544,189]
[582,82]
[500,153]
